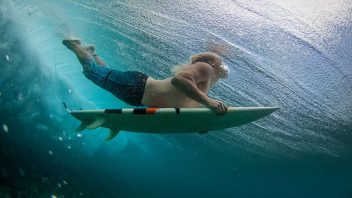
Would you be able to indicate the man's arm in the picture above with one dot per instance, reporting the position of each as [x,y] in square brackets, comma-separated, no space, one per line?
[187,81]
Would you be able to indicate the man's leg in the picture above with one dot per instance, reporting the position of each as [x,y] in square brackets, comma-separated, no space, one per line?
[82,54]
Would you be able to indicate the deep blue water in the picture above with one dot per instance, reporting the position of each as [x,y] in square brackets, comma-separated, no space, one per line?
[296,55]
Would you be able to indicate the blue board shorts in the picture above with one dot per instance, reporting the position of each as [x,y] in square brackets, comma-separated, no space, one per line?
[127,86]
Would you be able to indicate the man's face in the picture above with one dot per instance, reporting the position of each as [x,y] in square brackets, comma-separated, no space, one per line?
[224,71]
[221,70]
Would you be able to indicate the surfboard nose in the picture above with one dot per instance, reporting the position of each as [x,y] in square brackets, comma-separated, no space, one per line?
[265,111]
[271,109]
[256,109]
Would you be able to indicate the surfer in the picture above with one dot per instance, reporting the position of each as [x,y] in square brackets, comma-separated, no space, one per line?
[187,88]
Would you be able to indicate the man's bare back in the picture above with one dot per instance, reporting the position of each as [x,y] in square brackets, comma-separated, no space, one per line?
[166,92]
[161,93]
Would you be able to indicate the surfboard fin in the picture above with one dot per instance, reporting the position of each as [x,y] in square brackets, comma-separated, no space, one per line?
[96,123]
[93,125]
[81,127]
[113,133]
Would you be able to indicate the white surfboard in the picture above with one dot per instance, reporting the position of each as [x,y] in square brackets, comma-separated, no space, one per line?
[167,120]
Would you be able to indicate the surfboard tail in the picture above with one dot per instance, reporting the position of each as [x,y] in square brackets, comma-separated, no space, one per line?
[66,108]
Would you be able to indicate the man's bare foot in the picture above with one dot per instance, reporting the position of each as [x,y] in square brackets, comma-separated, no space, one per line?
[71,42]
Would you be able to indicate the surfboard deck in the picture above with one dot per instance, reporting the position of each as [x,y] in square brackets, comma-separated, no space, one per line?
[167,120]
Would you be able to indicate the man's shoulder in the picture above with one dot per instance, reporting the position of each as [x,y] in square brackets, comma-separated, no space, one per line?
[204,68]
[201,64]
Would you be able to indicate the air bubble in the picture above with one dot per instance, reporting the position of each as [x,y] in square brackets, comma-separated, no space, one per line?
[20,96]
[5,128]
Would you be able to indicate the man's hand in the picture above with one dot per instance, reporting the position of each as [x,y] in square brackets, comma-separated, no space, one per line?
[217,106]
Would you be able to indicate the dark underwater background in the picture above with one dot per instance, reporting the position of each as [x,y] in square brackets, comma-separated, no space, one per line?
[296,55]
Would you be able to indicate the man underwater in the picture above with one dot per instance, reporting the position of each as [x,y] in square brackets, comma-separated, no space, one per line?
[187,88]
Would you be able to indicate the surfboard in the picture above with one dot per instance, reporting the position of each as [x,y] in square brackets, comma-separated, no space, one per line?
[167,120]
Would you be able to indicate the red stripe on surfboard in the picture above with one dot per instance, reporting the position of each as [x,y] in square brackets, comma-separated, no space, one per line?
[151,110]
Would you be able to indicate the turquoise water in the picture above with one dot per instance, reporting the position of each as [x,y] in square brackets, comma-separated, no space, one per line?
[295,55]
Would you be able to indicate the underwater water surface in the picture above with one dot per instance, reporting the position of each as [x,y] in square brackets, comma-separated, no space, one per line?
[296,55]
